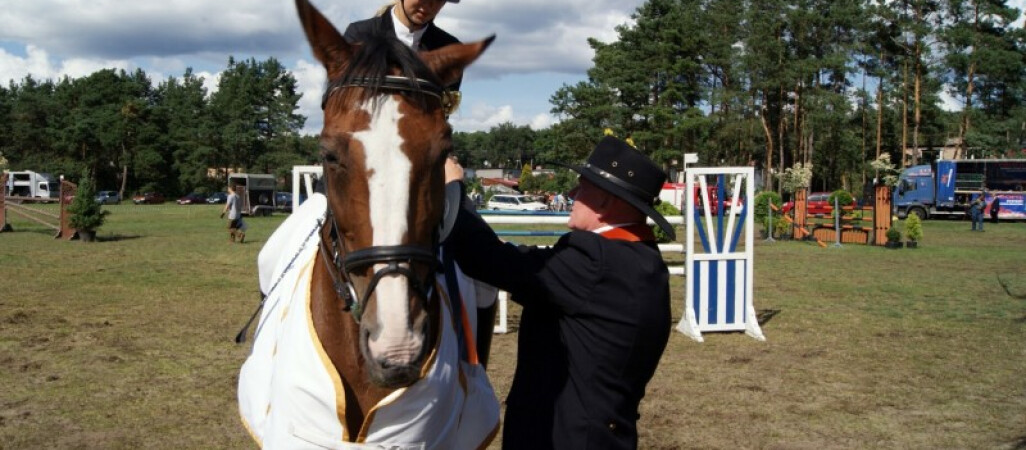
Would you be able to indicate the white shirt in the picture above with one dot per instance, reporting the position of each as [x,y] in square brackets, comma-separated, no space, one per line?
[410,38]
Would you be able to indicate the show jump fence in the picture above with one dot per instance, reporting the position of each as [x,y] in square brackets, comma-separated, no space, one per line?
[60,222]
[847,227]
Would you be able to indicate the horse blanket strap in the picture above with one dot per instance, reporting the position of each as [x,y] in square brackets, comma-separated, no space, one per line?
[291,396]
[456,303]
[631,233]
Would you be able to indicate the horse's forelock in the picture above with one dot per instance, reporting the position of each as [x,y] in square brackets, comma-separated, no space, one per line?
[377,55]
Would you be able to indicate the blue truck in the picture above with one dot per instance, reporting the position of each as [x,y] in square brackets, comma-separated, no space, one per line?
[945,188]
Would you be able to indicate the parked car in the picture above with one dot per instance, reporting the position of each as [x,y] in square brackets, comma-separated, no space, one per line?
[194,198]
[818,203]
[515,203]
[108,197]
[148,198]
[283,201]
[217,197]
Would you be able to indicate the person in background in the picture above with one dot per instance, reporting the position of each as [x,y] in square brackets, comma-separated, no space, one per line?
[995,208]
[233,207]
[596,305]
[976,211]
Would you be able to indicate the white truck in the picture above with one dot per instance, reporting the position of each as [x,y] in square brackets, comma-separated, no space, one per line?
[33,185]
[256,190]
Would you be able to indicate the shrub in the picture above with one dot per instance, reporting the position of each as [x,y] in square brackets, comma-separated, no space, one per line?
[914,227]
[86,212]
[667,210]
[795,178]
[781,226]
[843,198]
[893,235]
[762,207]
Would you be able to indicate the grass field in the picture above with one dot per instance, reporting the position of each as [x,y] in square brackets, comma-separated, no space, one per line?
[127,343]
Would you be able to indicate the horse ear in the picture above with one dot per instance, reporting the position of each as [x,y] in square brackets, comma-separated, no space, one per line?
[329,47]
[448,62]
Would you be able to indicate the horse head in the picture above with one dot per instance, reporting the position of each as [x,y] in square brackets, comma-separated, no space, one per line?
[383,148]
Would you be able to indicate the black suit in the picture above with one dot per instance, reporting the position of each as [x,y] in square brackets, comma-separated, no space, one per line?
[595,322]
[433,38]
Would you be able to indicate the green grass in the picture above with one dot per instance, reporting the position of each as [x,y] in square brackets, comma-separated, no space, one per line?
[127,343]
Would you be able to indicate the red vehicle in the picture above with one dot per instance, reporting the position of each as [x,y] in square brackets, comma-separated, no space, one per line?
[194,198]
[818,203]
[148,198]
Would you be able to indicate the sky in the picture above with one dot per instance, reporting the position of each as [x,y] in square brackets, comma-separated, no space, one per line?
[541,45]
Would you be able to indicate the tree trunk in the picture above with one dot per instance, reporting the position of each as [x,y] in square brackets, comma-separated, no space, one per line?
[904,113]
[768,174]
[879,113]
[964,129]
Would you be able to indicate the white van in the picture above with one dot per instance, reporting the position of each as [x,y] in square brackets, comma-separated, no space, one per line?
[514,203]
[36,185]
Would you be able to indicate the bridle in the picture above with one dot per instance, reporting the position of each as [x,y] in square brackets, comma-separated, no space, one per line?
[342,262]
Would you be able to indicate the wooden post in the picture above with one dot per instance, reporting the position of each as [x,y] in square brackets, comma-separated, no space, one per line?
[881,214]
[68,190]
[3,204]
[801,209]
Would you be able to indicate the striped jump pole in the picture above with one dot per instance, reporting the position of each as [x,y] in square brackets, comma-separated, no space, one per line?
[719,289]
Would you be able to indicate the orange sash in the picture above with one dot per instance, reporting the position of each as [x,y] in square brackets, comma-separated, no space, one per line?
[631,233]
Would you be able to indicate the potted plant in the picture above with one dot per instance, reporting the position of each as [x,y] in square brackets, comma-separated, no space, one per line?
[782,228]
[893,238]
[913,230]
[86,213]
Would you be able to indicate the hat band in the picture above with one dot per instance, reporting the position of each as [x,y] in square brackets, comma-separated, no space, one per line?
[617,181]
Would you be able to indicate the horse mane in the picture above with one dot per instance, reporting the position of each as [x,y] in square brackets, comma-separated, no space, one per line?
[377,53]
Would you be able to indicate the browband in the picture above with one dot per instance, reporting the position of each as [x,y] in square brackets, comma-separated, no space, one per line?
[390,82]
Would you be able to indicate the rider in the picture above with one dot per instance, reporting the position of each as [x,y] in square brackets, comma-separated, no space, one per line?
[413,22]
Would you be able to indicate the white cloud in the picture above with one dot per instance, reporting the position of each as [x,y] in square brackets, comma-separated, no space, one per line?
[53,38]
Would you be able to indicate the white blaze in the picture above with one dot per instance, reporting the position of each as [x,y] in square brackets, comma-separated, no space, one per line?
[389,186]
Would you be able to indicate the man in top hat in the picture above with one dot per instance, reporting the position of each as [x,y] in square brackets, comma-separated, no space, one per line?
[596,306]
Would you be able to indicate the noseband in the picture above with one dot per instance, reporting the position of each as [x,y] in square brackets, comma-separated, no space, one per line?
[343,264]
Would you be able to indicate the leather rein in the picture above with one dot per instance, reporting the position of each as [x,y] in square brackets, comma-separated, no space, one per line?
[342,262]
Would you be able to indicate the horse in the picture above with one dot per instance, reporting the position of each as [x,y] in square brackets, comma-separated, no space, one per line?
[358,342]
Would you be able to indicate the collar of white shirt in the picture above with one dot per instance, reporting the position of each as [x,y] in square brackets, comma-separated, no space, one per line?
[410,38]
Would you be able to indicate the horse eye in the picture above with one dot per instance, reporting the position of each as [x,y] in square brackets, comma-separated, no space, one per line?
[330,153]
[329,157]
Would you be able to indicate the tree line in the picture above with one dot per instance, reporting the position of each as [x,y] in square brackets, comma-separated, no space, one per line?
[831,84]
[172,138]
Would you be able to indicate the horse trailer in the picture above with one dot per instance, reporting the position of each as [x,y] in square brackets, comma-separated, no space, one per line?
[256,190]
[33,185]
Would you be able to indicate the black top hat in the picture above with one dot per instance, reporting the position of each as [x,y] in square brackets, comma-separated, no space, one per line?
[624,172]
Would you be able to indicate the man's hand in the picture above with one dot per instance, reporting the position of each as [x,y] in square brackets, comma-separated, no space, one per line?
[453,170]
[222,214]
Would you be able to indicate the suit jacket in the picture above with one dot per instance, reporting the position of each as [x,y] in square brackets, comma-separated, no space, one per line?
[433,38]
[595,321]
